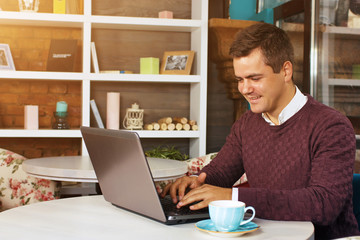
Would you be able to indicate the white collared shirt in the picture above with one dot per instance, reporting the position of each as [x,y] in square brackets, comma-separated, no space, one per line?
[296,103]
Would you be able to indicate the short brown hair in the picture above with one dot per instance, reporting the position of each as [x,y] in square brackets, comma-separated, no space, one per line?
[273,42]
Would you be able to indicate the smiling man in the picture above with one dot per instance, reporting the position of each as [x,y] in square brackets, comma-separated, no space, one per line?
[298,154]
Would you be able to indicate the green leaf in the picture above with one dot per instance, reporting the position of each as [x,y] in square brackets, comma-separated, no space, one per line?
[167,152]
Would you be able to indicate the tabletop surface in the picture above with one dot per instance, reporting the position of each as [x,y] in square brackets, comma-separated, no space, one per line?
[91,217]
[80,169]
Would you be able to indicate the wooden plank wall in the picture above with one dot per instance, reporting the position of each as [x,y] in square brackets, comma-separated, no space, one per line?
[122,49]
[142,8]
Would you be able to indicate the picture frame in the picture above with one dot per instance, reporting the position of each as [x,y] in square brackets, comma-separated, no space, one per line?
[6,60]
[177,62]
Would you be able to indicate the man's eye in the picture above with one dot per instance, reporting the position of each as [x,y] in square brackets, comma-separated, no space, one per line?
[239,79]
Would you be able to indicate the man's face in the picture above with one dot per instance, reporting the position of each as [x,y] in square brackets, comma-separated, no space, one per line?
[261,87]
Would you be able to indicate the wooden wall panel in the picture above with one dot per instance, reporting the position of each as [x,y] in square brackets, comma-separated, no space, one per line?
[42,147]
[157,100]
[122,49]
[142,8]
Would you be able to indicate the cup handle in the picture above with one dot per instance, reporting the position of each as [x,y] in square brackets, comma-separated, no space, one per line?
[251,218]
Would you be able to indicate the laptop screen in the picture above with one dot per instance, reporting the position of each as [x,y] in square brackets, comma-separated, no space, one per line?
[122,170]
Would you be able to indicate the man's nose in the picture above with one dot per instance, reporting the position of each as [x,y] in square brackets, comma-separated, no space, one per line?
[244,87]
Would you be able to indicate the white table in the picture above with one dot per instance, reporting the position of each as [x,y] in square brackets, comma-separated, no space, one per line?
[92,217]
[80,169]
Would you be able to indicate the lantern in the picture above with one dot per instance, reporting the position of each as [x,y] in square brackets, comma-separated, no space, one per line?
[134,118]
[29,5]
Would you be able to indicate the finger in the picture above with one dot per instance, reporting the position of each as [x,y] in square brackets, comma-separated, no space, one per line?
[165,190]
[182,189]
[173,192]
[199,205]
[196,191]
[192,196]
[184,185]
[200,180]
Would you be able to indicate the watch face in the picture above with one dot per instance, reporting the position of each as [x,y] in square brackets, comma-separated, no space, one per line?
[355,6]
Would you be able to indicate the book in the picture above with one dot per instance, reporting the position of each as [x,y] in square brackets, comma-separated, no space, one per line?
[62,55]
[96,113]
[111,71]
[116,71]
[94,58]
[59,6]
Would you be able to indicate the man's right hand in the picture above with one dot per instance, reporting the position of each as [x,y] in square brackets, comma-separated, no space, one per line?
[181,184]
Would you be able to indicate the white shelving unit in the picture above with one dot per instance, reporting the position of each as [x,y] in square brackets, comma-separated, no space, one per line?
[197,27]
[330,34]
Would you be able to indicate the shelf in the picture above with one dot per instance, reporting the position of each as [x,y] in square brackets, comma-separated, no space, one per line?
[51,133]
[43,133]
[41,19]
[168,134]
[342,33]
[107,22]
[145,78]
[344,82]
[342,30]
[104,22]
[42,75]
[148,24]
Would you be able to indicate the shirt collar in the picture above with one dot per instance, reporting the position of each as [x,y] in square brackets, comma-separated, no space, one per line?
[296,103]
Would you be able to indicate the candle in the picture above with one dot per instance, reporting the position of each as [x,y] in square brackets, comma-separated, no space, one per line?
[61,106]
[31,117]
[113,110]
[149,65]
[166,14]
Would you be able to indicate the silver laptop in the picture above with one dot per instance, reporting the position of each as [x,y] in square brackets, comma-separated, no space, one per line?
[125,178]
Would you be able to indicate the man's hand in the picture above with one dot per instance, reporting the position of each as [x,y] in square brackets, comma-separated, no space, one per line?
[181,184]
[201,193]
[204,195]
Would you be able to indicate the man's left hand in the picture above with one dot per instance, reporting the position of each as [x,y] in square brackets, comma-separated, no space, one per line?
[204,195]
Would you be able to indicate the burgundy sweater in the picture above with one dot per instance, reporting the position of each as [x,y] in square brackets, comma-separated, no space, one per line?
[301,170]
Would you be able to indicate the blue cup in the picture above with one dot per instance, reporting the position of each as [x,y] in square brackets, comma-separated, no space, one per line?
[228,215]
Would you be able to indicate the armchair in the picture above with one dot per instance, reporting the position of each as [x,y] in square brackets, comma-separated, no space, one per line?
[17,188]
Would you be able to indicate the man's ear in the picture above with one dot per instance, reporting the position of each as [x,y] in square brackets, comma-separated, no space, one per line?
[288,71]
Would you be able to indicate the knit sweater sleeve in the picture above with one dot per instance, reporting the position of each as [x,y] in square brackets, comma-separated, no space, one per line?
[228,166]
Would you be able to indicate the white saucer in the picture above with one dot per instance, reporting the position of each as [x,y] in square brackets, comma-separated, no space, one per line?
[209,227]
[349,238]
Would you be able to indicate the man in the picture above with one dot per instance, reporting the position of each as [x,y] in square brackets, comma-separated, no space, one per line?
[298,154]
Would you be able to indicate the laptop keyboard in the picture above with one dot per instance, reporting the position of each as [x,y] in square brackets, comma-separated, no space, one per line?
[171,209]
